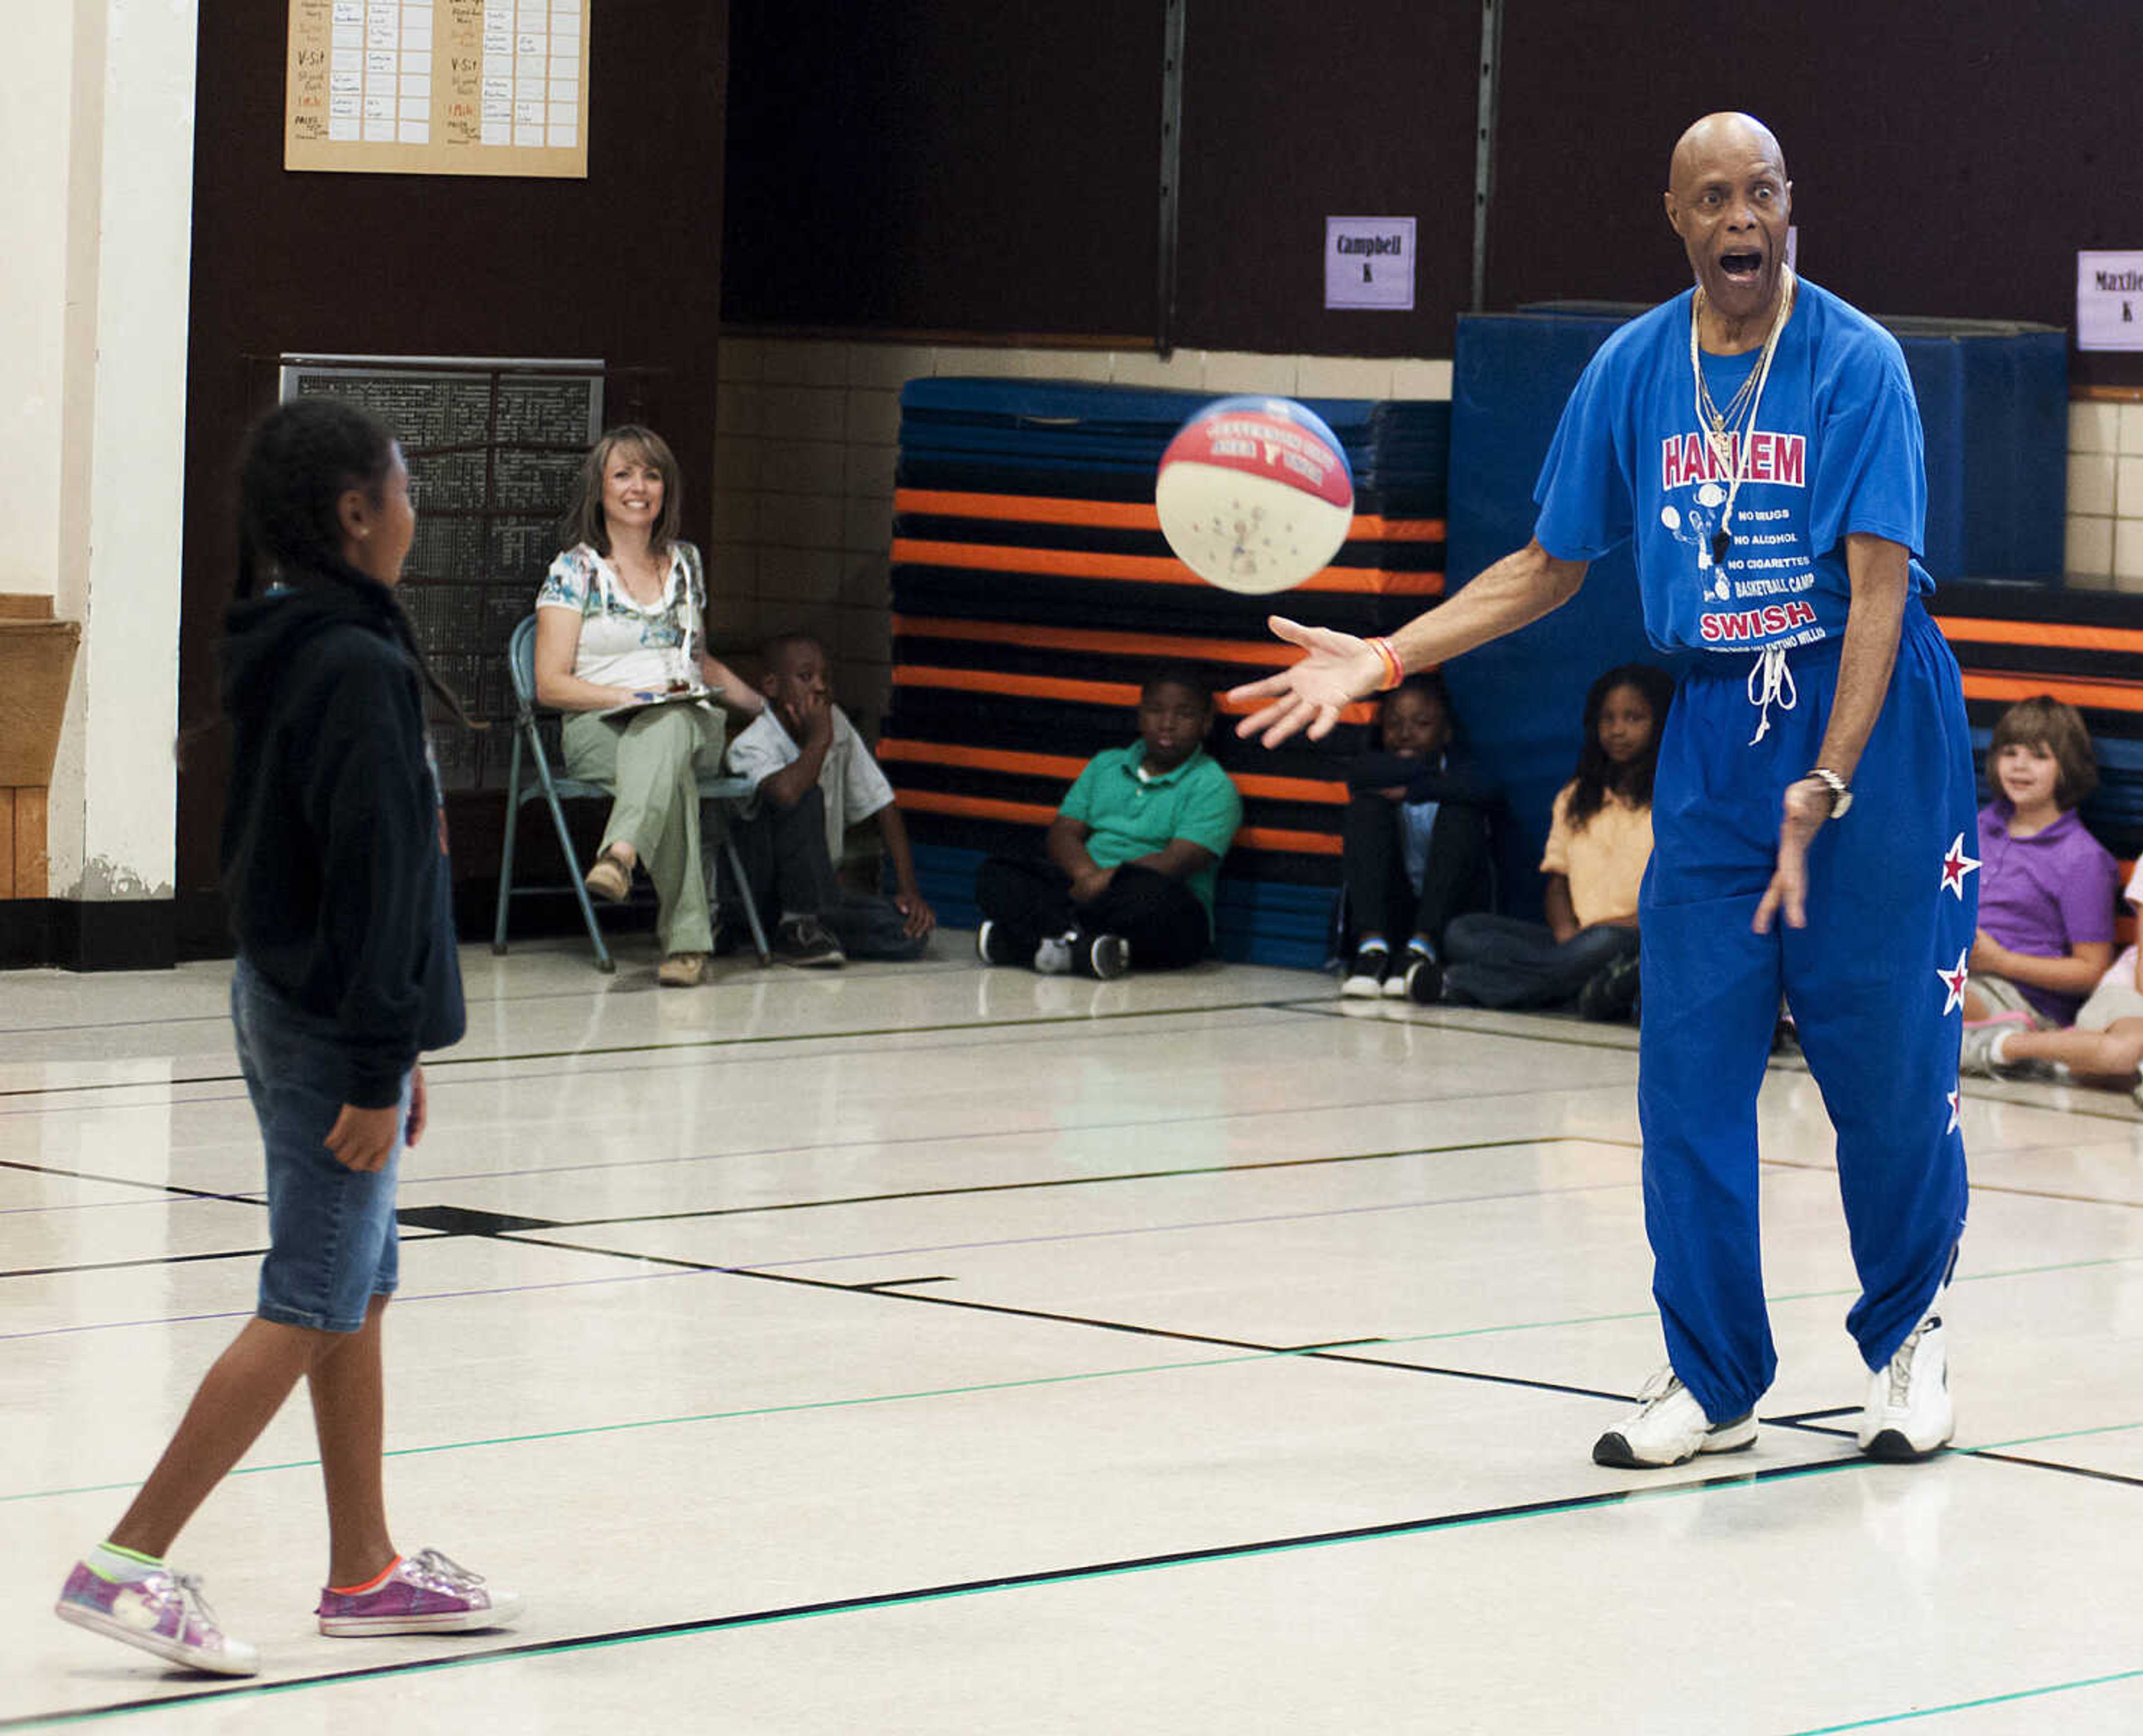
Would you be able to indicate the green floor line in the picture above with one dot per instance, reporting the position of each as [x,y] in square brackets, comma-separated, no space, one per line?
[1363,1355]
[539,1651]
[772,1410]
[2071,1434]
[1992,1699]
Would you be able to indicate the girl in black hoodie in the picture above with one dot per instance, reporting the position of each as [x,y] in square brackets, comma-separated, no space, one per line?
[335,871]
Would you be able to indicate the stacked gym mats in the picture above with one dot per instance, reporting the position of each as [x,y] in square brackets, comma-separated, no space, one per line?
[1033,591]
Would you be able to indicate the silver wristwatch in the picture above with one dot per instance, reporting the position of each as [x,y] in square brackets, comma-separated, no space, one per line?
[1841,793]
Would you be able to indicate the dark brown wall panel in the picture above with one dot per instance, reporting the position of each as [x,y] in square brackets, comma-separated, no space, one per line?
[1295,112]
[625,265]
[1947,159]
[902,164]
[908,165]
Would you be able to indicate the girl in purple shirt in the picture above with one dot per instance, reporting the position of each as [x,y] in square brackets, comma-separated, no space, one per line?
[2047,886]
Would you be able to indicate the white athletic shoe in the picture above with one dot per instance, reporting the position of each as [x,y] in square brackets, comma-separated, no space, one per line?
[1668,1426]
[1909,1415]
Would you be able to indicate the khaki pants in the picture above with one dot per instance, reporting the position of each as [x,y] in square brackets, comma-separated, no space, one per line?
[652,759]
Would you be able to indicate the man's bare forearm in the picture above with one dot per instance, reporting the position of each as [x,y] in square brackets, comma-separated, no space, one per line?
[1518,590]
[1882,582]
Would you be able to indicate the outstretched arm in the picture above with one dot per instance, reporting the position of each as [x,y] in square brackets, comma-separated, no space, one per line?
[1881,576]
[1341,668]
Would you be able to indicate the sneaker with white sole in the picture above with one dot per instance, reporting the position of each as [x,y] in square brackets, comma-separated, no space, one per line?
[426,1593]
[1106,956]
[1669,1426]
[1052,957]
[1909,1415]
[161,1612]
[805,942]
[992,946]
[1423,982]
[1404,967]
[1976,1058]
[1366,976]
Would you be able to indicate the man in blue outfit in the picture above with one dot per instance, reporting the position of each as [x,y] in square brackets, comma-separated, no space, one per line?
[1758,440]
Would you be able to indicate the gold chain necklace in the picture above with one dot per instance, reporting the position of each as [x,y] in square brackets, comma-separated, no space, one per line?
[1719,429]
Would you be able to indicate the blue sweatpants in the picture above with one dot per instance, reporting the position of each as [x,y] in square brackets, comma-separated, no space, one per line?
[1875,981]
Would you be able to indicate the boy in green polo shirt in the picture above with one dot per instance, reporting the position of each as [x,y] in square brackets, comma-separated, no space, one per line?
[1130,855]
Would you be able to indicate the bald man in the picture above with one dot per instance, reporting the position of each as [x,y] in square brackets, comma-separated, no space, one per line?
[1758,441]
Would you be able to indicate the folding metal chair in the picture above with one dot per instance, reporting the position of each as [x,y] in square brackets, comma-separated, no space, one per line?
[548,788]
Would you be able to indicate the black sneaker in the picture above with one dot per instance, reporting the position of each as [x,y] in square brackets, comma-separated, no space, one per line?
[1610,992]
[992,946]
[804,941]
[1108,956]
[1365,977]
[1424,980]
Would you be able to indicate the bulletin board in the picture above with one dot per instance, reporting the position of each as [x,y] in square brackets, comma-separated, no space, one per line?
[438,87]
[493,446]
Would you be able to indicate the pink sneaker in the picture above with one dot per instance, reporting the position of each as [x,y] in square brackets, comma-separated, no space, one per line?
[161,1612]
[427,1593]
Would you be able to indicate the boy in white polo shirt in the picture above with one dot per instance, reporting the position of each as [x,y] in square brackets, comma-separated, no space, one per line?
[815,778]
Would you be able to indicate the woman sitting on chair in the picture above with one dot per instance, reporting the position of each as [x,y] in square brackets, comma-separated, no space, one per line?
[621,649]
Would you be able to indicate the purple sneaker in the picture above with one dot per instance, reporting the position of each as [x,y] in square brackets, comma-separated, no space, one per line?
[161,1612]
[427,1593]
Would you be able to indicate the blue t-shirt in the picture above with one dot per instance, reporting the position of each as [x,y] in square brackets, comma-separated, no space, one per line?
[1836,447]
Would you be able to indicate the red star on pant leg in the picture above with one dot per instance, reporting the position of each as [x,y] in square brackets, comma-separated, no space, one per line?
[1955,866]
[1954,981]
[1952,1128]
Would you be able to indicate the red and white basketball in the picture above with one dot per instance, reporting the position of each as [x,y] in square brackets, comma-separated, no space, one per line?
[1254,494]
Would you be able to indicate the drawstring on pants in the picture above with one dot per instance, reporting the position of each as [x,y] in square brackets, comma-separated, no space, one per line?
[1771,683]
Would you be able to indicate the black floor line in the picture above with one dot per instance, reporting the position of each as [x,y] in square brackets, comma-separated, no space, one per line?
[1075,1181]
[1336,1010]
[902,1284]
[1803,1423]
[2014,1458]
[1006,1310]
[459,1220]
[440,1063]
[959,1588]
[161,1259]
[1787,1061]
[125,1181]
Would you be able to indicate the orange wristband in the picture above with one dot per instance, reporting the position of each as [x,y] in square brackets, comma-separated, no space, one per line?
[1394,670]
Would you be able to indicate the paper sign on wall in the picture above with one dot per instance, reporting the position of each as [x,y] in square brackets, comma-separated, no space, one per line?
[1369,263]
[438,87]
[2109,301]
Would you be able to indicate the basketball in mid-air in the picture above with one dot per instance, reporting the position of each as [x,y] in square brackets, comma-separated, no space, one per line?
[1254,494]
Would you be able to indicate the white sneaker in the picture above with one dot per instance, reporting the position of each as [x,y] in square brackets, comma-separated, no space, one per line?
[1053,957]
[1909,1415]
[1668,1426]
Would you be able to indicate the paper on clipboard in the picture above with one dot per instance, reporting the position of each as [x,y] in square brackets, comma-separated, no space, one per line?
[674,696]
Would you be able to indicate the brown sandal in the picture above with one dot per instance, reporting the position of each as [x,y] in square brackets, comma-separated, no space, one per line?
[682,970]
[609,878]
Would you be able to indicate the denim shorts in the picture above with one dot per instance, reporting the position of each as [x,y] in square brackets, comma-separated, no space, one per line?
[332,1234]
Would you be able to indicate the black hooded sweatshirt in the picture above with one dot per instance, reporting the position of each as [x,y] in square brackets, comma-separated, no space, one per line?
[334,838]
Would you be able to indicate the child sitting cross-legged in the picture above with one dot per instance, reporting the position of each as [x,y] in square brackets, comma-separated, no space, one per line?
[1126,876]
[812,779]
[2045,913]
[1598,844]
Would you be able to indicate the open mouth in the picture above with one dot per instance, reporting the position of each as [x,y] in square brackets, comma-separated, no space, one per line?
[1741,266]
